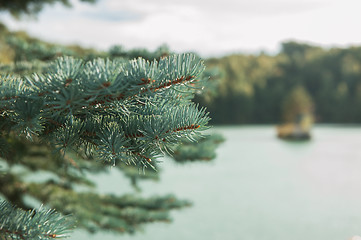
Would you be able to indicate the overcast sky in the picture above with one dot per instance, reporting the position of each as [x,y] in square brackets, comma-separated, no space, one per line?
[209,27]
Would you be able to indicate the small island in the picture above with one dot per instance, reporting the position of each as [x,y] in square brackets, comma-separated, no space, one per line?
[296,131]
[297,115]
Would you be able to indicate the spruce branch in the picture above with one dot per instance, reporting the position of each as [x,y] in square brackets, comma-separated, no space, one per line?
[123,113]
[36,224]
[74,103]
[121,214]
[72,117]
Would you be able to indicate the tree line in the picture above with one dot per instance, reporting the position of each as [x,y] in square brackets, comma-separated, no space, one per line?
[246,88]
[255,88]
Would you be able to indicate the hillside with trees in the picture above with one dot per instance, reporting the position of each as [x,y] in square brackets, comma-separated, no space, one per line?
[253,88]
[246,89]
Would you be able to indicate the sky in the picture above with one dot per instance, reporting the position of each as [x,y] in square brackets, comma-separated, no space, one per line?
[208,27]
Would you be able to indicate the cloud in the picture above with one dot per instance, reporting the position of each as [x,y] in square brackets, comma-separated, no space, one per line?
[224,7]
[111,16]
[101,11]
[207,27]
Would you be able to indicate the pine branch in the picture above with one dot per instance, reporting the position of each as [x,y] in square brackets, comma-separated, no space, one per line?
[94,212]
[202,150]
[73,105]
[36,224]
[118,112]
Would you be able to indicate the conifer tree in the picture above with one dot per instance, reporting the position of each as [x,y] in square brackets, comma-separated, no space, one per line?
[124,113]
[75,117]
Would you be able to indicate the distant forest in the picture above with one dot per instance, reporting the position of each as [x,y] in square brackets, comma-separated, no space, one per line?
[245,88]
[255,88]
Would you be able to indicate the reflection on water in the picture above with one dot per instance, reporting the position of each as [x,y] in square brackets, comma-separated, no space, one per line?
[261,188]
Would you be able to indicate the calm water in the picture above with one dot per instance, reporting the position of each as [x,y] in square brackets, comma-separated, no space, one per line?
[260,188]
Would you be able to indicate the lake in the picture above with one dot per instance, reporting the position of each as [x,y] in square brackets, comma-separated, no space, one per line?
[259,188]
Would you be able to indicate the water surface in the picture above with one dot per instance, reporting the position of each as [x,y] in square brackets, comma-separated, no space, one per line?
[260,188]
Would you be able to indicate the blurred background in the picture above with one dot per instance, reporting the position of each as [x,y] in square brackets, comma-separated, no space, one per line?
[285,93]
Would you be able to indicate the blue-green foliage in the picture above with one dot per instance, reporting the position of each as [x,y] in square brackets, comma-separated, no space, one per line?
[30,225]
[117,111]
[122,111]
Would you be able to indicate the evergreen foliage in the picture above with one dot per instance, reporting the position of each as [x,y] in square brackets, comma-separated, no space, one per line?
[202,151]
[63,121]
[72,113]
[134,107]
[30,7]
[28,225]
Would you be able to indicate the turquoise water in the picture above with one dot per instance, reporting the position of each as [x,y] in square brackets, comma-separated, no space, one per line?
[260,188]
